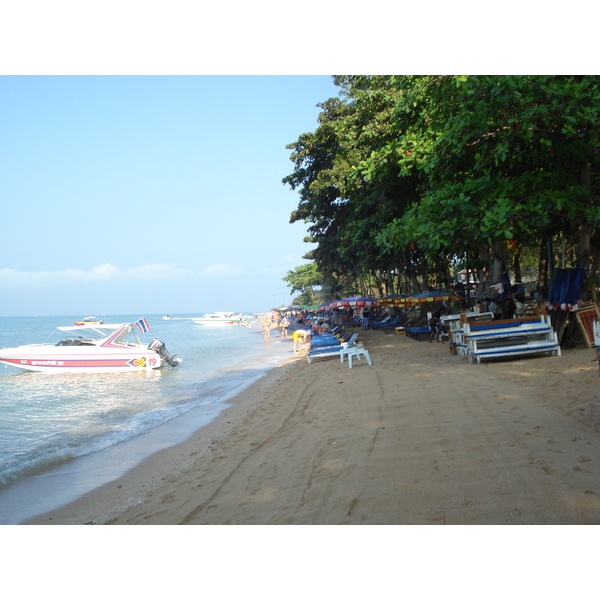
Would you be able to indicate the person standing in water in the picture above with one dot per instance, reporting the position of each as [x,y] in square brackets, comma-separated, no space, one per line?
[267,327]
[285,323]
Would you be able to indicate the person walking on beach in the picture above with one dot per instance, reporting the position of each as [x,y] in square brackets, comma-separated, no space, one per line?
[435,324]
[267,327]
[285,323]
[365,315]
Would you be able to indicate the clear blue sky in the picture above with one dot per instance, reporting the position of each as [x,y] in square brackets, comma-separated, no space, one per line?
[163,194]
[150,194]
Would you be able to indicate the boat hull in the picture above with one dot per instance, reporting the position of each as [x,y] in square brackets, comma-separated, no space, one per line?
[215,322]
[218,319]
[58,359]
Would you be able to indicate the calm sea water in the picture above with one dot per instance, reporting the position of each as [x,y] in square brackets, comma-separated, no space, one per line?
[51,419]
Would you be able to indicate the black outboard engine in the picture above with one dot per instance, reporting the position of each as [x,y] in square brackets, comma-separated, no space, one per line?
[158,346]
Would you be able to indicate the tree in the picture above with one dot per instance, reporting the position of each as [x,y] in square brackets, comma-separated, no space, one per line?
[508,159]
[345,210]
[405,175]
[304,279]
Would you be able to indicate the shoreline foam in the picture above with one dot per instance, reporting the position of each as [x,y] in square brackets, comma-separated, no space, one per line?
[61,484]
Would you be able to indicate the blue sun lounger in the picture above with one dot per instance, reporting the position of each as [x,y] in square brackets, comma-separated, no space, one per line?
[332,349]
[417,332]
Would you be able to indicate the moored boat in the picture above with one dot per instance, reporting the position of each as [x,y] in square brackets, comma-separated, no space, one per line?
[218,319]
[89,321]
[93,348]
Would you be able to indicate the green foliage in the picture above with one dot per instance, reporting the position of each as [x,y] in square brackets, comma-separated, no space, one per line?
[304,278]
[406,168]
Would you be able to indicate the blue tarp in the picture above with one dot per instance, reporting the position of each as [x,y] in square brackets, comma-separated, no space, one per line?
[566,287]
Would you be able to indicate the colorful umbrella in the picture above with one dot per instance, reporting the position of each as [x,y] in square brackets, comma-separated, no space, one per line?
[354,301]
[436,295]
[394,300]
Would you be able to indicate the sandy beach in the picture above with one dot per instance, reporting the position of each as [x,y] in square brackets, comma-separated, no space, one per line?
[420,437]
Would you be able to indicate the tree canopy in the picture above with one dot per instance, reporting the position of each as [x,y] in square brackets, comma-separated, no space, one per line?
[406,175]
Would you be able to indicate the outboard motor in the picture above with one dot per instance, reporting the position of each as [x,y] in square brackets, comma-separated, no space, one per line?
[158,346]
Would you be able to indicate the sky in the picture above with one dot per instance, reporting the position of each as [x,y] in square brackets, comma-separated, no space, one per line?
[142,148]
[150,194]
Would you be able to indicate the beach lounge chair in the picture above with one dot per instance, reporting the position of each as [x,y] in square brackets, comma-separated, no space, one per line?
[332,350]
[388,324]
[326,339]
[417,333]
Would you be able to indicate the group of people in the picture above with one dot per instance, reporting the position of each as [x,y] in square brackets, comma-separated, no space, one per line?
[309,326]
[300,337]
[513,307]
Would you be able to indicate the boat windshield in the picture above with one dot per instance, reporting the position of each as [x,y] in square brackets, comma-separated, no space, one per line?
[93,333]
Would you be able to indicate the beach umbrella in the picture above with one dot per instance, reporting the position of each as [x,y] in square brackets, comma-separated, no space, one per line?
[355,301]
[394,300]
[434,296]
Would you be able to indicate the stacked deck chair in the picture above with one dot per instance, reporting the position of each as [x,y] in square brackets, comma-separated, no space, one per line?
[323,346]
[511,337]
[453,325]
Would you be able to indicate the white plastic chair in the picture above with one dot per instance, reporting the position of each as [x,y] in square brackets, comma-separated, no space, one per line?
[357,351]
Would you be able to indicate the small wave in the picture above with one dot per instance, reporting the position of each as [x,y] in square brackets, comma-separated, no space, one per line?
[46,420]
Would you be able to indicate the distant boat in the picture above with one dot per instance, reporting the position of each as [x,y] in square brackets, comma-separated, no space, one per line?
[218,319]
[90,321]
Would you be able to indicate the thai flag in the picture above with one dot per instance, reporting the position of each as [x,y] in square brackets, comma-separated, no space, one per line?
[143,325]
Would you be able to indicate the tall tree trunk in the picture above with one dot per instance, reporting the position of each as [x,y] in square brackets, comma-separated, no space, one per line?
[379,283]
[499,263]
[517,264]
[425,277]
[595,264]
[585,231]
[484,271]
[446,271]
[585,227]
[543,263]
[415,286]
[389,284]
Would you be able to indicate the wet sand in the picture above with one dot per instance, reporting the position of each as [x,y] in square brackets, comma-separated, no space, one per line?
[420,437]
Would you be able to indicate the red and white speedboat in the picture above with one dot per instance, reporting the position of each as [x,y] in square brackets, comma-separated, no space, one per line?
[96,348]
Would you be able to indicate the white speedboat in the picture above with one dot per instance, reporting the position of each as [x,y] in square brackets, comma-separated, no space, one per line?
[218,319]
[96,348]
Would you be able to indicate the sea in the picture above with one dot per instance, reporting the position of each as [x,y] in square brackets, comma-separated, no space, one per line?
[62,435]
